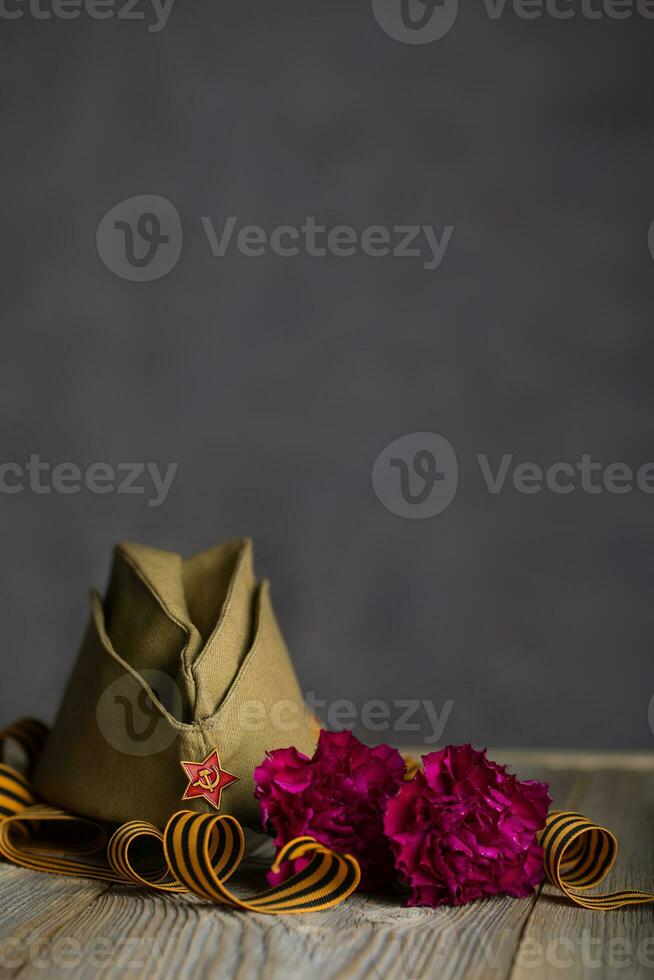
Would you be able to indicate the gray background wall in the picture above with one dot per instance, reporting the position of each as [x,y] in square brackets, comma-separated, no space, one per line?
[276,382]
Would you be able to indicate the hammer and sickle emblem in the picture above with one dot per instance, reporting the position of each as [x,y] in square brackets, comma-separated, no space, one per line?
[209,779]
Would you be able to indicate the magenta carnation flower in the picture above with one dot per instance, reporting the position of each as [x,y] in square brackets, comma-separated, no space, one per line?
[464,828]
[338,797]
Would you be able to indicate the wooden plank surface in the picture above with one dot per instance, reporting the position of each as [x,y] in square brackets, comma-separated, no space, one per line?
[562,937]
[58,927]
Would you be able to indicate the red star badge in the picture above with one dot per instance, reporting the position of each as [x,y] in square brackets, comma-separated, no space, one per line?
[207,779]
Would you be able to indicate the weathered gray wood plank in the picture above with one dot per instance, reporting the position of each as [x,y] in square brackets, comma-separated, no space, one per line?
[35,909]
[561,937]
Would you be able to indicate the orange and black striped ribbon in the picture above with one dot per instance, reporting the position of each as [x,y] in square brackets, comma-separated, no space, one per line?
[197,852]
[578,855]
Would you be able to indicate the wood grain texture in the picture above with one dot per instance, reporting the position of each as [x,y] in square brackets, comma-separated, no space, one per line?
[560,936]
[58,927]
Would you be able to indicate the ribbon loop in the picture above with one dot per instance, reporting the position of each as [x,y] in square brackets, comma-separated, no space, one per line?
[131,847]
[203,851]
[578,855]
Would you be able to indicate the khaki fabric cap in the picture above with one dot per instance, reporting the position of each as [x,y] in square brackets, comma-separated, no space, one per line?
[182,660]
